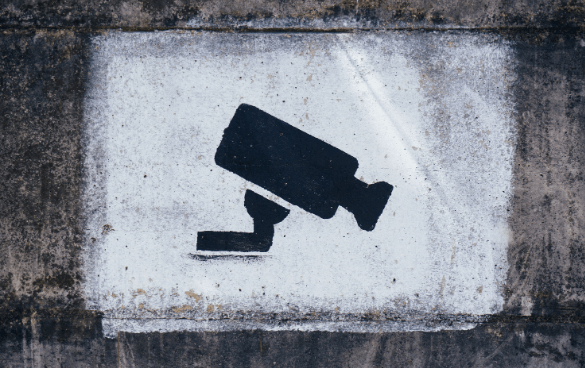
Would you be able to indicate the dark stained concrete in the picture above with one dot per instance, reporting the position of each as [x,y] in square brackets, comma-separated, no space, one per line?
[547,255]
[43,321]
[367,13]
[41,83]
[72,342]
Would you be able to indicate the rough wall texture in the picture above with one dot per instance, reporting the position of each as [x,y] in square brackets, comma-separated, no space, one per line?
[368,13]
[42,89]
[42,72]
[547,255]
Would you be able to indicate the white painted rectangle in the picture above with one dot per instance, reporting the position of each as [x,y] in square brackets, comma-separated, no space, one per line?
[431,114]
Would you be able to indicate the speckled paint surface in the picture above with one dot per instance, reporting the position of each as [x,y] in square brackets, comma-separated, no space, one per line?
[430,114]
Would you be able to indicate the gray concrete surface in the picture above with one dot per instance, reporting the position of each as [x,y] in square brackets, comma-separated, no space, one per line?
[219,13]
[43,70]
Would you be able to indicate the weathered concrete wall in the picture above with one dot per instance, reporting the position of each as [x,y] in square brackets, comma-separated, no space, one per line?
[369,13]
[546,275]
[42,87]
[44,73]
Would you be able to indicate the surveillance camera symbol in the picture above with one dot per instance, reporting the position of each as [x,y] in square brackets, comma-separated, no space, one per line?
[299,168]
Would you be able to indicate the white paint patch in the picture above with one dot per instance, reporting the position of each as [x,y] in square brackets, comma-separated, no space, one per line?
[430,114]
[112,326]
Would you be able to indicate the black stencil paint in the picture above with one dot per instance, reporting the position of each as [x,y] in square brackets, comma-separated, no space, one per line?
[298,167]
[223,257]
[265,214]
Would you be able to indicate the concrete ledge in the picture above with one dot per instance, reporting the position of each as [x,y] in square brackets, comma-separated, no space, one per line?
[77,341]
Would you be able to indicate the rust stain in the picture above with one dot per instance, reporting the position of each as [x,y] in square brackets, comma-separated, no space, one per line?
[182,309]
[140,292]
[197,297]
